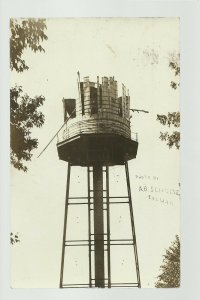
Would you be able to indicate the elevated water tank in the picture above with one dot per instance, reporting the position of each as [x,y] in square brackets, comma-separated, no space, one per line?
[98,130]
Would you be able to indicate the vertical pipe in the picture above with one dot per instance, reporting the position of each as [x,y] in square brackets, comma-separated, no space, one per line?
[108,225]
[132,224]
[89,227]
[79,100]
[98,225]
[65,226]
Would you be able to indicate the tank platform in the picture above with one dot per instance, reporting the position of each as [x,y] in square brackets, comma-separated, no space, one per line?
[90,149]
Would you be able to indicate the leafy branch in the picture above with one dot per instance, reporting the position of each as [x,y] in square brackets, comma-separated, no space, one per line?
[24,115]
[172,119]
[25,33]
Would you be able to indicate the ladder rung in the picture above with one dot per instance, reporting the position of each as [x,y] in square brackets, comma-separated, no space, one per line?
[103,250]
[118,202]
[93,190]
[118,197]
[77,198]
[77,245]
[98,233]
[99,278]
[77,203]
[131,244]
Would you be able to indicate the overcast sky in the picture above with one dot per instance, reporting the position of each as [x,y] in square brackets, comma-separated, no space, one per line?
[135,51]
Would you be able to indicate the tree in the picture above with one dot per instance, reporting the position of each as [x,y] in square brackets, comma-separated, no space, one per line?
[170,268]
[24,114]
[25,33]
[172,119]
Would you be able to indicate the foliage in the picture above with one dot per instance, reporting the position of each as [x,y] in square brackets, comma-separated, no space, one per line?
[170,268]
[14,238]
[171,139]
[24,115]
[172,118]
[25,33]
[174,64]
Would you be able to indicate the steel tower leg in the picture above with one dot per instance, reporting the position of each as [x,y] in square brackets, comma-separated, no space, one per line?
[89,227]
[132,225]
[108,226]
[65,226]
[98,226]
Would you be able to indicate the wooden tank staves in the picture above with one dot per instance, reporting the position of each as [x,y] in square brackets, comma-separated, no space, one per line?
[99,127]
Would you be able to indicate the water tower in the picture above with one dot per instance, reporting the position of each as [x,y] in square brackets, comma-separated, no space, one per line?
[97,136]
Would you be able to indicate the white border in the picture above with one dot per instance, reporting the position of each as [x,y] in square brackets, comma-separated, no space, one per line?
[189,12]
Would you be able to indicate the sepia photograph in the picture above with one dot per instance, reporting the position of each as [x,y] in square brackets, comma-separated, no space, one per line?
[95,152]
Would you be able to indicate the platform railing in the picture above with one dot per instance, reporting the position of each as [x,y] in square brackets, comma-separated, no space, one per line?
[64,135]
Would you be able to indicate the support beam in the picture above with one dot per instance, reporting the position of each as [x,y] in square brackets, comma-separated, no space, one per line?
[98,225]
[65,226]
[89,228]
[108,225]
[132,224]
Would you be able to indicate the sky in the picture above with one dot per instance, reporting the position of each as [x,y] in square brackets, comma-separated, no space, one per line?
[136,51]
